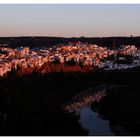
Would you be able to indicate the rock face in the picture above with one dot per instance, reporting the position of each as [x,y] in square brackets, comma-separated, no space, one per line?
[50,67]
[53,68]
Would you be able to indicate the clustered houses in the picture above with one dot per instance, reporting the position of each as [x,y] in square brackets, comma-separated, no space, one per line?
[85,54]
[128,50]
[131,60]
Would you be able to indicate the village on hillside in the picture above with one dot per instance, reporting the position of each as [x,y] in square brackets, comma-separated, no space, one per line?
[80,53]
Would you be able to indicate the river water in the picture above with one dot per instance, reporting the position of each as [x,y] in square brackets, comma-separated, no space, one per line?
[91,121]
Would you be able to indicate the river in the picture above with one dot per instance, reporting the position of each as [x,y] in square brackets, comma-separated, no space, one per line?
[95,125]
[88,118]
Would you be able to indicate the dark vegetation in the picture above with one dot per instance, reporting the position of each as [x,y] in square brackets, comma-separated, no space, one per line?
[31,104]
[33,42]
[122,108]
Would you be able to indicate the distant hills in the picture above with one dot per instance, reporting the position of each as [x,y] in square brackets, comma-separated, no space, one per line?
[36,41]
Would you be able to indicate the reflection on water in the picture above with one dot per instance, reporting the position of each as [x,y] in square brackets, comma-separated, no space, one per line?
[80,101]
[91,121]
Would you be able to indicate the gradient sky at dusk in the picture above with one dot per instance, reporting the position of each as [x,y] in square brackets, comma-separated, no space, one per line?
[69,20]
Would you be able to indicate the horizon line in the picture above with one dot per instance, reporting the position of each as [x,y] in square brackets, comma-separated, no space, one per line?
[66,37]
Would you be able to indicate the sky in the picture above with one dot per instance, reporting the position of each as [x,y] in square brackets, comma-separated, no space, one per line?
[69,20]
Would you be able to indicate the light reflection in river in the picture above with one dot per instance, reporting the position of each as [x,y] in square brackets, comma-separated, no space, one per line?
[84,101]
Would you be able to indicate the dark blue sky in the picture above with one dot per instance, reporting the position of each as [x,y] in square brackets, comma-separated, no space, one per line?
[69,20]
